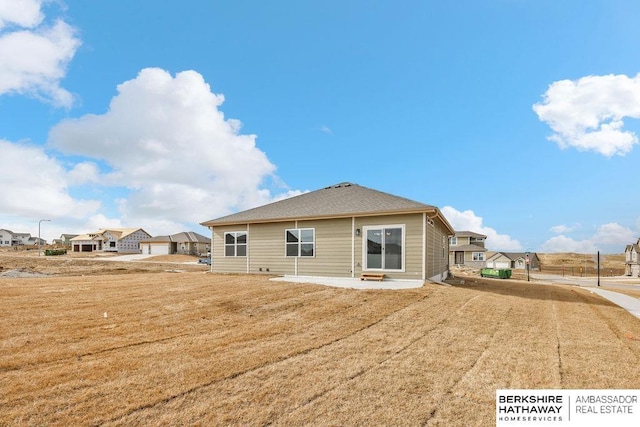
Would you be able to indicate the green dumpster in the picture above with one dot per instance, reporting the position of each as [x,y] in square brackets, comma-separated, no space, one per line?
[503,273]
[49,252]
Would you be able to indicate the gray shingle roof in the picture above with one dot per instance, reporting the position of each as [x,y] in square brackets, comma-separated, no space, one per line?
[469,234]
[185,236]
[341,200]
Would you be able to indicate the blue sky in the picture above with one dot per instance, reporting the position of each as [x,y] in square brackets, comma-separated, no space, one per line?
[517,118]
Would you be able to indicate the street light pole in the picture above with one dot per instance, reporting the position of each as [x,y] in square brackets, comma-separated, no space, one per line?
[40,222]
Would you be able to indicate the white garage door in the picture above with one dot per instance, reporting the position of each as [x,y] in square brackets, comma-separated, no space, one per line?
[160,249]
[498,265]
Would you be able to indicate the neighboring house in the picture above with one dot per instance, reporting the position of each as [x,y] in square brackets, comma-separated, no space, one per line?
[632,259]
[25,239]
[343,230]
[123,240]
[188,242]
[34,241]
[466,248]
[9,238]
[513,260]
[65,239]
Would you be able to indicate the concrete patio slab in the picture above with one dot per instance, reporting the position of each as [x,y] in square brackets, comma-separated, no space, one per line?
[352,283]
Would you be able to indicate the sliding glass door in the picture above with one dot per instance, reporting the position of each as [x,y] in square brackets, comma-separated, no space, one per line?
[385,248]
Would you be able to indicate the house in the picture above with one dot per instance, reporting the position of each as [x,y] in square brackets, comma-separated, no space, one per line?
[466,248]
[34,241]
[632,260]
[343,230]
[514,260]
[65,239]
[187,242]
[124,240]
[9,238]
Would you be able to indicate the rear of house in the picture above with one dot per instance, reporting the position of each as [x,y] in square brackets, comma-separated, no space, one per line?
[467,249]
[339,231]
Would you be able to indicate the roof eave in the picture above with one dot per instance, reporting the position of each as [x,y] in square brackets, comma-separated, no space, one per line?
[215,223]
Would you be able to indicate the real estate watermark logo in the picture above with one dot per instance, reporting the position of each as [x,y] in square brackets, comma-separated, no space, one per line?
[559,408]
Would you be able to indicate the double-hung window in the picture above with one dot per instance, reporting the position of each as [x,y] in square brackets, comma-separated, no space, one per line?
[235,243]
[478,256]
[300,242]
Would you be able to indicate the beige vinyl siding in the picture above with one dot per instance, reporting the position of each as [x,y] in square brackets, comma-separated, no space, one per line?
[267,248]
[333,239]
[437,250]
[223,264]
[412,243]
[337,250]
[462,241]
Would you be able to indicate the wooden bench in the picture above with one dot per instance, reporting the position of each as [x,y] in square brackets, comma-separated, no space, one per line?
[372,276]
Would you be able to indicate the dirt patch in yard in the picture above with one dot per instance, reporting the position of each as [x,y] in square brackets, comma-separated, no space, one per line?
[76,265]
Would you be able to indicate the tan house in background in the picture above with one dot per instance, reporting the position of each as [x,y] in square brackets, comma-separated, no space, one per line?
[513,260]
[187,242]
[122,240]
[466,248]
[343,230]
[64,240]
[632,259]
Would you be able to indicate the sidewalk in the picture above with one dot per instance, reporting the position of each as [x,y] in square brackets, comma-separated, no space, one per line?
[632,305]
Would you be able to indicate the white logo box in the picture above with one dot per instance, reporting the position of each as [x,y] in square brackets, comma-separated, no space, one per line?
[559,408]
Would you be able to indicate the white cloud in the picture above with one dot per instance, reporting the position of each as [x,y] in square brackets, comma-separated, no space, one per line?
[560,229]
[566,244]
[608,238]
[98,221]
[166,140]
[33,59]
[469,221]
[82,173]
[25,13]
[588,113]
[34,185]
[613,234]
[326,130]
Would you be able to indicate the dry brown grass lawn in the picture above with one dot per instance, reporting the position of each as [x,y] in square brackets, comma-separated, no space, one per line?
[197,348]
[77,264]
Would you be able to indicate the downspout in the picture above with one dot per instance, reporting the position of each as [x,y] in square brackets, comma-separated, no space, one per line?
[353,246]
[424,246]
[248,251]
[295,259]
[211,250]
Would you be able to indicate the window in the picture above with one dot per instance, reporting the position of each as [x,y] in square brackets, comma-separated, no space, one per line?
[453,241]
[385,248]
[478,256]
[235,243]
[300,242]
